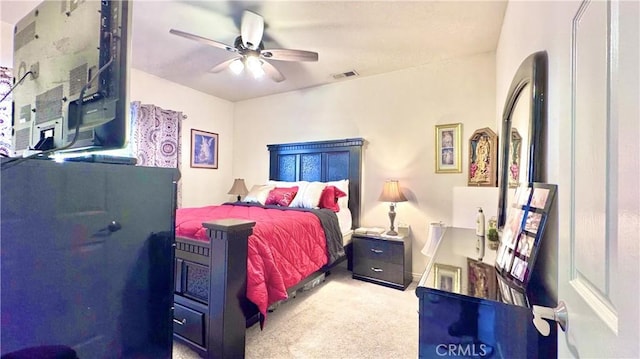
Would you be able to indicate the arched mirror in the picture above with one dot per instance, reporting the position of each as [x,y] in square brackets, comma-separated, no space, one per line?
[523,124]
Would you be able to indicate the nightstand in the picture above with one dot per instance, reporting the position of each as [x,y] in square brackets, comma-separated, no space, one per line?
[382,259]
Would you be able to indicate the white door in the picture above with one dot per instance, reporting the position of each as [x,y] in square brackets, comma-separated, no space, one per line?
[599,251]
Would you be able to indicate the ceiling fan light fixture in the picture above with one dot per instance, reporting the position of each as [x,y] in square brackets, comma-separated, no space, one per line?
[249,50]
[236,66]
[254,65]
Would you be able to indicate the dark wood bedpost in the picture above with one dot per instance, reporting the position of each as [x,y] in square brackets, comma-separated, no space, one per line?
[227,289]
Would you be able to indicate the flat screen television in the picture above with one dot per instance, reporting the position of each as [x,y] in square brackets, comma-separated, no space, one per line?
[65,49]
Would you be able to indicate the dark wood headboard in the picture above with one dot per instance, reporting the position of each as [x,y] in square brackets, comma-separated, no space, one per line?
[321,161]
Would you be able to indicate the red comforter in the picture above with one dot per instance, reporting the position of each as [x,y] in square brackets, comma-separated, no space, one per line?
[285,247]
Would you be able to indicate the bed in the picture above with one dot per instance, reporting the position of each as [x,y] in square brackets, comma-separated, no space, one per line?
[211,304]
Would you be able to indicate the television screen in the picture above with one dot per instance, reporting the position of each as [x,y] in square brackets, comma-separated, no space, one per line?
[66,50]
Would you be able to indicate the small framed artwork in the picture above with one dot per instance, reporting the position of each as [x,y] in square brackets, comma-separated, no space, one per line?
[525,244]
[446,277]
[523,231]
[449,148]
[505,291]
[519,269]
[539,197]
[483,158]
[204,149]
[518,297]
[514,158]
[482,280]
[533,222]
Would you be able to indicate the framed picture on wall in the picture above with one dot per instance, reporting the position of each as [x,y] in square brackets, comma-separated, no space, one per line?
[449,148]
[483,158]
[204,149]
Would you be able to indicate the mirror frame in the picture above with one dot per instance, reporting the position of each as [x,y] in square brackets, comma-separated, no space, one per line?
[533,71]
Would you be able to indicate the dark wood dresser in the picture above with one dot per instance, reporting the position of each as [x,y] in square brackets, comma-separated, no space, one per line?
[86,258]
[467,310]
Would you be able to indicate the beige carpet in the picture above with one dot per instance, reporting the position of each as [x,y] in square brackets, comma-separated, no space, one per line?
[341,318]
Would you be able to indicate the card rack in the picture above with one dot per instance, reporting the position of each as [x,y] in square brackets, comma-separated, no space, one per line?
[523,230]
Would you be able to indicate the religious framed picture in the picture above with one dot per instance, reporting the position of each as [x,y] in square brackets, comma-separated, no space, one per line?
[483,158]
[514,158]
[482,280]
[447,277]
[449,148]
[204,149]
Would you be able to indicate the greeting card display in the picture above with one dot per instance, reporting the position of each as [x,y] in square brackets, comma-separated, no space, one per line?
[523,231]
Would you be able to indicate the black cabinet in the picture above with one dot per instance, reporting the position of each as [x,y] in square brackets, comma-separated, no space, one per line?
[86,258]
[467,310]
[383,260]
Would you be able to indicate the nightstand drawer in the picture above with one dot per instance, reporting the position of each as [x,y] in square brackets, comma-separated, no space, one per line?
[188,323]
[376,249]
[378,269]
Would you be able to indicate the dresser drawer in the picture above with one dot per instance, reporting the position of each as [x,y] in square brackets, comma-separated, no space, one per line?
[188,323]
[380,250]
[378,269]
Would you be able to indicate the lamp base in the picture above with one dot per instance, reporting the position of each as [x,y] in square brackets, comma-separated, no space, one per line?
[392,217]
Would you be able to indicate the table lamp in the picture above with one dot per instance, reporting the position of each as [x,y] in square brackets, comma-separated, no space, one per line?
[238,188]
[391,193]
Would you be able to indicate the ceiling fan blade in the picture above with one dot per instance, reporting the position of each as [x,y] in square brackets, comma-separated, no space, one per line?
[289,55]
[272,72]
[203,40]
[223,65]
[251,29]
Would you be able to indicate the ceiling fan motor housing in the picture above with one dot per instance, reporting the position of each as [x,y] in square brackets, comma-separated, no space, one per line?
[239,45]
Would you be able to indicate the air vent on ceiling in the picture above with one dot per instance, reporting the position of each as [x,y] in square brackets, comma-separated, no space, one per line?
[345,74]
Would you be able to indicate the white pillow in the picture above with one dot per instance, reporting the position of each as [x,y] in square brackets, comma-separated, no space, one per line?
[310,197]
[258,193]
[344,220]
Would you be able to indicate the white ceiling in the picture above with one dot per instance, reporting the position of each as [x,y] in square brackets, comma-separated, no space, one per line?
[370,37]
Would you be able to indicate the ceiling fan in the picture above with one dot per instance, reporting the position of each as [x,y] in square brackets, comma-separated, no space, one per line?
[250,50]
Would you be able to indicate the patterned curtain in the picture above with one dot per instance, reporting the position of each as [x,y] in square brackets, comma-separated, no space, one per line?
[5,112]
[156,137]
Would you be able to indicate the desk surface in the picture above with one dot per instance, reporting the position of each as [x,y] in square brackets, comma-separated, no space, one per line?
[456,267]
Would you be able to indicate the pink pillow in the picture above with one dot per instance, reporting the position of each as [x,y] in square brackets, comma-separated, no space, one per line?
[281,196]
[329,198]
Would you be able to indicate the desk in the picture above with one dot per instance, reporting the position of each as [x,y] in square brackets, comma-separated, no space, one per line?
[467,310]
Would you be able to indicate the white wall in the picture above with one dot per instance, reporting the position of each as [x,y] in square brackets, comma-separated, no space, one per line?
[395,113]
[6,44]
[204,112]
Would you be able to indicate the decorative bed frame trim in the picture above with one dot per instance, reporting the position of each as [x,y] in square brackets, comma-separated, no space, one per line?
[321,161]
[213,321]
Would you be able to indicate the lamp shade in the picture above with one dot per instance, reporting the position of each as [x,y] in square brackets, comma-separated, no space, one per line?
[238,188]
[391,192]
